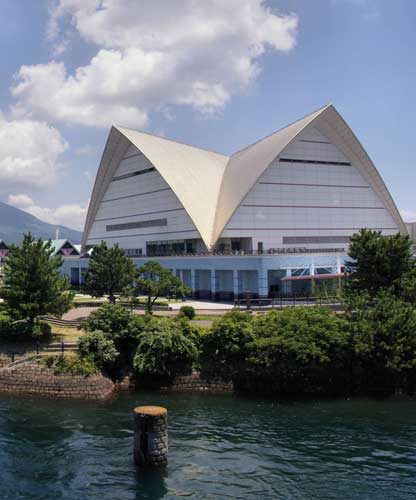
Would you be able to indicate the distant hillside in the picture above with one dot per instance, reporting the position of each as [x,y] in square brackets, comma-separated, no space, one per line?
[15,222]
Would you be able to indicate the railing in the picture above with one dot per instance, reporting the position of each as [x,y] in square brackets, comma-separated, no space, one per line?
[63,322]
[270,251]
[17,357]
[282,302]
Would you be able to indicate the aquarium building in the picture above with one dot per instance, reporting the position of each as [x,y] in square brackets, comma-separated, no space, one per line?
[273,218]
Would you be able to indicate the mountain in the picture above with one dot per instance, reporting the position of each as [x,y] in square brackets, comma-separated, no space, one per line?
[15,222]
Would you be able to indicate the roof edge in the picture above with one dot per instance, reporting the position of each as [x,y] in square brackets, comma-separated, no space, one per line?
[216,232]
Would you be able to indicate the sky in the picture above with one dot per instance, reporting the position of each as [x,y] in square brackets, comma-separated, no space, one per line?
[219,74]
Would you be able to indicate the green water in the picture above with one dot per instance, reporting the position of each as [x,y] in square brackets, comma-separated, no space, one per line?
[220,447]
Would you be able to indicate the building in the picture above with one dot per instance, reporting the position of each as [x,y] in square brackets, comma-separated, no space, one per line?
[275,217]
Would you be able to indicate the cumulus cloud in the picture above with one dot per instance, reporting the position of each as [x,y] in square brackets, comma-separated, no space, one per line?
[71,215]
[29,153]
[151,55]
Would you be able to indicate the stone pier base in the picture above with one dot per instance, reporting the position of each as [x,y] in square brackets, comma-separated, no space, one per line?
[150,436]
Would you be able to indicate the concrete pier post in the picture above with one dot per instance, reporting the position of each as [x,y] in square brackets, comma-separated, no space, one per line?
[150,436]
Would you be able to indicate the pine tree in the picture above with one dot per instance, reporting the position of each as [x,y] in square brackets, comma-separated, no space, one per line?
[379,262]
[33,285]
[155,281]
[109,272]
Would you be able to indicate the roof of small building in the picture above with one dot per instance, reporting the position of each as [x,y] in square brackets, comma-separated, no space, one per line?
[58,244]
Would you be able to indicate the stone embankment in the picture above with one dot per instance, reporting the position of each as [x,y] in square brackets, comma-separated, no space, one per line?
[33,378]
[195,382]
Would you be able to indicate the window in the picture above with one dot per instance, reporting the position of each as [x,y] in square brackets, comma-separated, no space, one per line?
[133,252]
[259,247]
[316,162]
[136,225]
[133,174]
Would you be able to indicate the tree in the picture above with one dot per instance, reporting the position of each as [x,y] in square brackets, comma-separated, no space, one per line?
[224,347]
[33,285]
[163,350]
[155,281]
[300,349]
[109,272]
[109,318]
[379,262]
[99,347]
[384,340]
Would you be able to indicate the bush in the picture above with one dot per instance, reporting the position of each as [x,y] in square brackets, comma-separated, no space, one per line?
[187,312]
[108,318]
[23,330]
[193,332]
[384,340]
[224,348]
[136,326]
[71,365]
[41,330]
[5,326]
[297,350]
[163,351]
[99,348]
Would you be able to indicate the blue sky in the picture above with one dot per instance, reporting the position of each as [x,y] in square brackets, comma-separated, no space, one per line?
[219,74]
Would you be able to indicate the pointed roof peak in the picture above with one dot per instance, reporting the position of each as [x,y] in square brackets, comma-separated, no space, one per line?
[128,130]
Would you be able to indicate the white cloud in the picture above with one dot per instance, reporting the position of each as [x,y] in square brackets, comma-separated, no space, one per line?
[84,150]
[151,55]
[408,215]
[29,153]
[71,215]
[20,200]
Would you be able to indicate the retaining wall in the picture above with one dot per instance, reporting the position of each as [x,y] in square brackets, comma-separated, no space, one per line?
[36,379]
[196,382]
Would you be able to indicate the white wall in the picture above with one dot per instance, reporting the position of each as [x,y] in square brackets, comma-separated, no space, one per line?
[306,199]
[140,198]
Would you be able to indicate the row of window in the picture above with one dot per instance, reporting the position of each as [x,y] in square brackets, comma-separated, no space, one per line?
[306,240]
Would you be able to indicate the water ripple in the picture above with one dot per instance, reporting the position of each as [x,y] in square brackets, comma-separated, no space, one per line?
[220,447]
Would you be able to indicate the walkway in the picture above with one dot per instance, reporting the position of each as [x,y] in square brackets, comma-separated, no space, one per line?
[204,308]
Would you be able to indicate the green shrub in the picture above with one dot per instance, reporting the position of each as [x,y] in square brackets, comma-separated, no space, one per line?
[193,332]
[23,330]
[99,348]
[384,340]
[136,326]
[224,347]
[302,349]
[5,326]
[108,318]
[163,351]
[187,312]
[127,340]
[41,331]
[71,365]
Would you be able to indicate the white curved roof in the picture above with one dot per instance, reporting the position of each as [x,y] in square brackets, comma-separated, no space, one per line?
[211,186]
[193,174]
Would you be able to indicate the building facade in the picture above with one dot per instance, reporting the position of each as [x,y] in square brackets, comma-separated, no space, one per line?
[275,217]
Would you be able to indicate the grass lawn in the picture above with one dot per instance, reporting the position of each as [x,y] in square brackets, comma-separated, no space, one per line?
[66,333]
[89,300]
